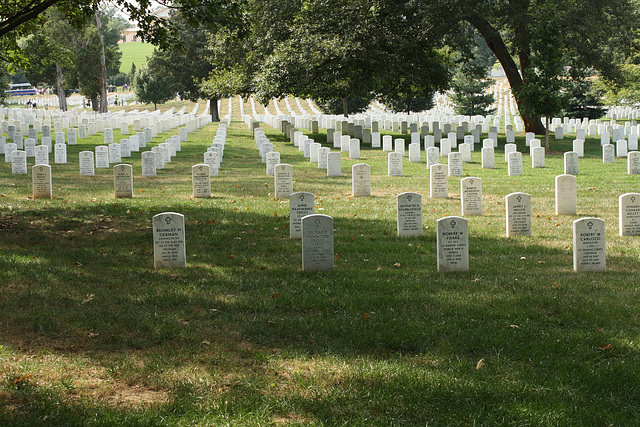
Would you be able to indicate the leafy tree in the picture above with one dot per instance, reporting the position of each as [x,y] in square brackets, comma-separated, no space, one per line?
[626,91]
[335,106]
[582,101]
[408,104]
[152,88]
[591,35]
[47,51]
[471,79]
[184,60]
[85,72]
[372,50]
[68,58]
[4,81]
[470,97]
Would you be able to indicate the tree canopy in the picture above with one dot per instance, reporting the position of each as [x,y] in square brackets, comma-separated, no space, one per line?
[396,51]
[328,50]
[583,37]
[185,61]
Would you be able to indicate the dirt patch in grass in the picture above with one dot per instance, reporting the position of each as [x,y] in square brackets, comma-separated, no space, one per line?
[135,396]
[6,223]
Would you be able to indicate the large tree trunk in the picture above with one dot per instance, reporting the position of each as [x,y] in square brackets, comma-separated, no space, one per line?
[95,106]
[345,107]
[62,99]
[103,68]
[496,44]
[213,109]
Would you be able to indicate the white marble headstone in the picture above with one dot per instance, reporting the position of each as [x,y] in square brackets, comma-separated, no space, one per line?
[453,244]
[387,143]
[102,157]
[42,155]
[518,213]
[283,180]
[455,164]
[488,158]
[334,164]
[471,196]
[589,245]
[114,153]
[361,180]
[301,204]
[85,159]
[169,249]
[148,164]
[515,163]
[439,181]
[18,162]
[317,243]
[608,153]
[537,157]
[409,209]
[566,195]
[394,164]
[201,181]
[60,153]
[433,156]
[212,159]
[41,181]
[633,163]
[571,163]
[123,181]
[629,214]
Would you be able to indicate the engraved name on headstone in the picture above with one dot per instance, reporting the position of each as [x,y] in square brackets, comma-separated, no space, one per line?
[453,244]
[317,243]
[589,245]
[169,249]
[409,209]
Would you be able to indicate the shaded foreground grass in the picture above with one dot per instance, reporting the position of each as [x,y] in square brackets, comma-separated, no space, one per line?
[91,334]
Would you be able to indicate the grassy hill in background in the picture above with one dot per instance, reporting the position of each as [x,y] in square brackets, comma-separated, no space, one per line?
[134,53]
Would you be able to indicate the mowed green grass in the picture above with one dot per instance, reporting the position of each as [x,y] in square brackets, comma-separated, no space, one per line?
[91,334]
[134,53]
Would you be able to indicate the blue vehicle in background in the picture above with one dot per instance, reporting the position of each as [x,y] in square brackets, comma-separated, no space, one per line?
[21,89]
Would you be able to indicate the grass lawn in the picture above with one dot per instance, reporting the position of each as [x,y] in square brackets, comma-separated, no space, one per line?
[134,53]
[91,334]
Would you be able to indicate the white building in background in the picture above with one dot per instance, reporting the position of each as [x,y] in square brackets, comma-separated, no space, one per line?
[130,35]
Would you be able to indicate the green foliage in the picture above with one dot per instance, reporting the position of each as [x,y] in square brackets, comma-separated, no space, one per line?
[184,59]
[582,101]
[4,81]
[233,64]
[546,78]
[76,50]
[40,51]
[408,104]
[119,79]
[470,97]
[579,37]
[626,92]
[84,71]
[152,88]
[335,106]
[386,53]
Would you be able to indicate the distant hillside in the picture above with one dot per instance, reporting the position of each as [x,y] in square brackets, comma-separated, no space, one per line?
[134,53]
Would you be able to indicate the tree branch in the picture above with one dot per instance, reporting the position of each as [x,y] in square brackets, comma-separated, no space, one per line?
[24,15]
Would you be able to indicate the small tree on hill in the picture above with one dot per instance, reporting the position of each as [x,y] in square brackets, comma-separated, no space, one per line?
[150,89]
[470,97]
